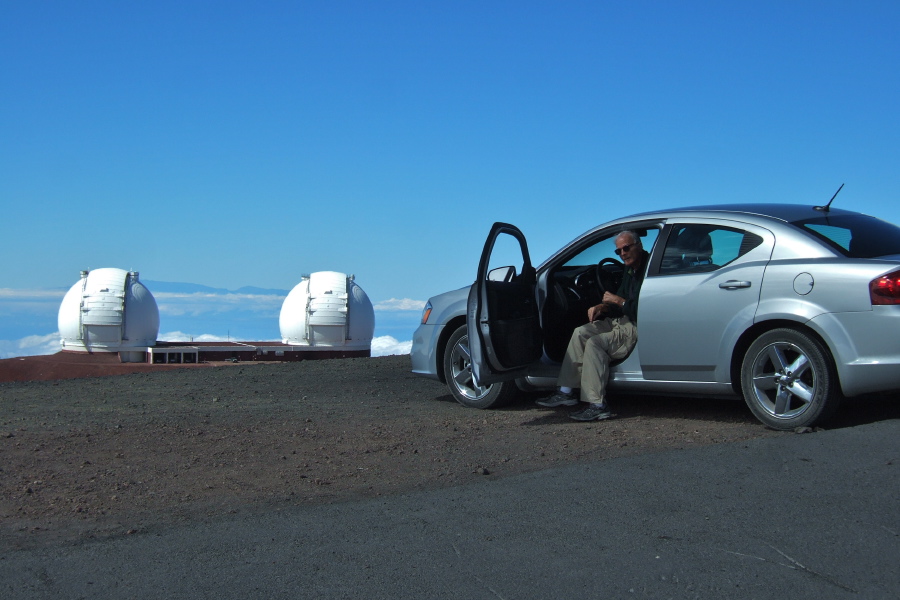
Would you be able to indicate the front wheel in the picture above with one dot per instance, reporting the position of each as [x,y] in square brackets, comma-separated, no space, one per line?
[788,380]
[458,372]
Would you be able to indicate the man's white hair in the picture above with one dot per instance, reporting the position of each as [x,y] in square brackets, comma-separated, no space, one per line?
[634,237]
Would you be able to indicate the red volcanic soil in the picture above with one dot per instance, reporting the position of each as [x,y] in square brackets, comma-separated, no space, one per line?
[74,365]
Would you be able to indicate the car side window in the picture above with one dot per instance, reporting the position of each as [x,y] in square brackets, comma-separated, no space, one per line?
[856,236]
[698,248]
[506,261]
[606,248]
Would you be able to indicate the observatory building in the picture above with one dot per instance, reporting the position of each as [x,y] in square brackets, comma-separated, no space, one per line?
[327,315]
[109,310]
[328,311]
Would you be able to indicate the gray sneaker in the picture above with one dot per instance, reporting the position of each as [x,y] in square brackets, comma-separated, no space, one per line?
[593,412]
[558,399]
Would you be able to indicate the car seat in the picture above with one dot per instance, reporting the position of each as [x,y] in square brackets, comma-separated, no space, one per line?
[691,251]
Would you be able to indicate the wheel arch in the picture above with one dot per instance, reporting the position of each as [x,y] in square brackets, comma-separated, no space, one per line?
[451,326]
[756,330]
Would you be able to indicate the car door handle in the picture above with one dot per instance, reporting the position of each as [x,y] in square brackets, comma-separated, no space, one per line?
[733,284]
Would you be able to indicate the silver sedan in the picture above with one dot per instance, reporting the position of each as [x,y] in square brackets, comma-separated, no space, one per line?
[792,307]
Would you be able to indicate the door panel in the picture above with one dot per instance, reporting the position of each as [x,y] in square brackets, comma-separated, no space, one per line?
[502,318]
[701,293]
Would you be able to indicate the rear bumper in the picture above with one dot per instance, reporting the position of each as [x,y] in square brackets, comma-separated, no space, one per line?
[865,348]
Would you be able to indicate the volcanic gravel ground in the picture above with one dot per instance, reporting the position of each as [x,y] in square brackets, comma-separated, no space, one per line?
[116,455]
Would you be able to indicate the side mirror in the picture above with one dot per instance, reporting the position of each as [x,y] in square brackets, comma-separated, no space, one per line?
[505,274]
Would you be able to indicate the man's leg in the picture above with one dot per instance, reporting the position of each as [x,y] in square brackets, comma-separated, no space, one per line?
[570,372]
[595,369]
[598,353]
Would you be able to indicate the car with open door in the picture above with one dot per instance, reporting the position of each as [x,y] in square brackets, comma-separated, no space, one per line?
[791,307]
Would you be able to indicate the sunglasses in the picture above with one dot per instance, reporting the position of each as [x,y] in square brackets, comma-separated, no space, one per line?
[625,248]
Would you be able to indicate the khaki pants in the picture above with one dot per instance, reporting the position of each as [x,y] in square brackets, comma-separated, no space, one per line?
[590,350]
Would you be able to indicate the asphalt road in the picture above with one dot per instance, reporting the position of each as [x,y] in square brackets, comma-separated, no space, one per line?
[803,516]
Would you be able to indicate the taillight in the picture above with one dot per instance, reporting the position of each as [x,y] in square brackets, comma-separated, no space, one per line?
[885,289]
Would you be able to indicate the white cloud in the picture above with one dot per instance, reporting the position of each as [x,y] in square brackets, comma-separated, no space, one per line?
[33,345]
[14,303]
[387,345]
[179,336]
[400,304]
[30,345]
[13,294]
[200,303]
[384,345]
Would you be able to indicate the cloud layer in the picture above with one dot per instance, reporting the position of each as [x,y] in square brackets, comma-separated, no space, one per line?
[400,304]
[191,314]
[31,345]
[34,345]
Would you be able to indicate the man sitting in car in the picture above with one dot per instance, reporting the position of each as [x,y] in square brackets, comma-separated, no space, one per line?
[610,334]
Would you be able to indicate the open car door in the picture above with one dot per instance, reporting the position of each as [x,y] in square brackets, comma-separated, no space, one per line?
[503,317]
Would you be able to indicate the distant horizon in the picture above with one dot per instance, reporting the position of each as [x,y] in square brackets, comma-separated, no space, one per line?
[50,344]
[29,317]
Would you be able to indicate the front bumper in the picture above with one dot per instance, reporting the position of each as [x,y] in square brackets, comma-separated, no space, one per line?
[424,352]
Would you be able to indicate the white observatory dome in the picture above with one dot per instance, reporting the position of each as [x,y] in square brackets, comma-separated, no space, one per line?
[108,310]
[328,310]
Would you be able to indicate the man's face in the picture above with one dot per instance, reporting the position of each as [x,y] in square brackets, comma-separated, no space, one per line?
[629,249]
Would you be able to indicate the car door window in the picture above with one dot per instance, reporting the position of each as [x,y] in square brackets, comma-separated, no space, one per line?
[506,259]
[606,248]
[699,248]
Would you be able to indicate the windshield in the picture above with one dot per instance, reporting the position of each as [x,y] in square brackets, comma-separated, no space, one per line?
[855,235]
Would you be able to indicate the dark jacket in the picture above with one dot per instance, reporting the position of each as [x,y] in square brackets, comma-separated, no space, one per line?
[629,289]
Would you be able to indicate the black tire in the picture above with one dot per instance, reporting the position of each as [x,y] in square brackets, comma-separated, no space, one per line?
[458,372]
[788,380]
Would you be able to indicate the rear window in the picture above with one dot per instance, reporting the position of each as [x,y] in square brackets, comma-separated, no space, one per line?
[856,236]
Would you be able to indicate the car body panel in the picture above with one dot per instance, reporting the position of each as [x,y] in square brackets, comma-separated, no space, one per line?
[864,348]
[427,349]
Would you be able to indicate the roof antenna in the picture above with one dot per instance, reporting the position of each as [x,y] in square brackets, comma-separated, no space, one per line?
[827,207]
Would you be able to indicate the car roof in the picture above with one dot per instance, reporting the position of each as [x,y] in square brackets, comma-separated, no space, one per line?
[781,212]
[752,212]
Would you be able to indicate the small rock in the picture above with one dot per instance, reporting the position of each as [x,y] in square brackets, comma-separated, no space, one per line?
[483,471]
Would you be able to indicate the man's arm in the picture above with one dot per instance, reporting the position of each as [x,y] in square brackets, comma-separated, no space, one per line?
[626,299]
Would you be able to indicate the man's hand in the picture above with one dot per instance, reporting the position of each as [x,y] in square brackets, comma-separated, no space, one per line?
[611,298]
[596,312]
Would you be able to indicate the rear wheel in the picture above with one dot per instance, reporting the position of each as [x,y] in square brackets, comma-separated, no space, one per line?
[788,380]
[458,372]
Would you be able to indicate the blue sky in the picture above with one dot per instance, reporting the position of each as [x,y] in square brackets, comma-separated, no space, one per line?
[229,144]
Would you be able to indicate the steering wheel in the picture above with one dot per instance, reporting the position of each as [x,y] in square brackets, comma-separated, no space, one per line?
[602,275]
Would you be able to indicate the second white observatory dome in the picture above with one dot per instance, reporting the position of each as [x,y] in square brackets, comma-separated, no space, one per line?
[328,310]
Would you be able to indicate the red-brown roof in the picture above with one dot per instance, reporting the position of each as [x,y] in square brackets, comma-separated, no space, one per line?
[72,365]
